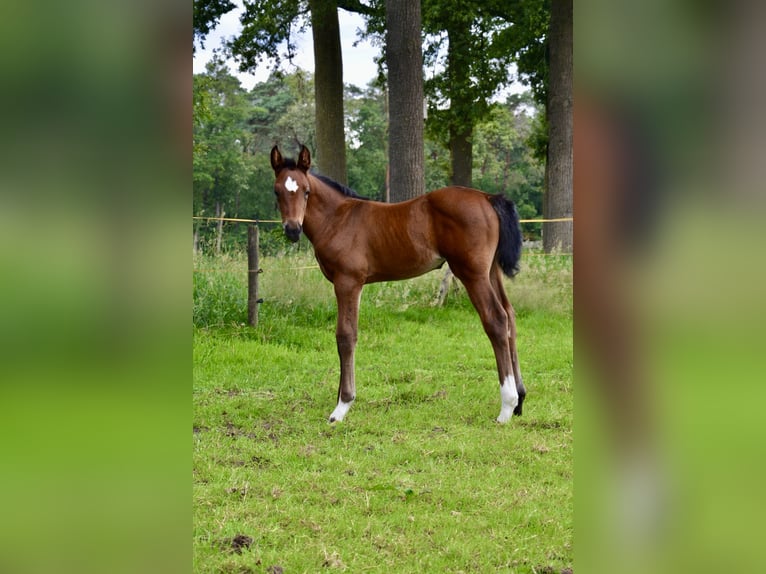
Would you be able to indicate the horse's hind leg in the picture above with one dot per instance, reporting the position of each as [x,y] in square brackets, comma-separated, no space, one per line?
[494,318]
[497,282]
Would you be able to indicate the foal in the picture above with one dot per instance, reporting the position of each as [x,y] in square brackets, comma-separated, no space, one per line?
[358,242]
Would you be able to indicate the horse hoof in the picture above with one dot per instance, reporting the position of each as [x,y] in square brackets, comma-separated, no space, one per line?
[340,411]
[517,410]
[503,418]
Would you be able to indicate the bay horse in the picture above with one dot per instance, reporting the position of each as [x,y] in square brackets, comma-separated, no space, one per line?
[357,241]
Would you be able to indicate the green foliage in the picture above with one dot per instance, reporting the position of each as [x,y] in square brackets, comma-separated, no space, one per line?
[487,37]
[437,160]
[469,64]
[207,13]
[233,133]
[269,29]
[282,111]
[291,279]
[222,166]
[504,161]
[268,26]
[366,133]
[234,130]
[527,40]
[219,292]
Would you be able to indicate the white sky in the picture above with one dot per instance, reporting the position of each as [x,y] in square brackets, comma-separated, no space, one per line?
[359,66]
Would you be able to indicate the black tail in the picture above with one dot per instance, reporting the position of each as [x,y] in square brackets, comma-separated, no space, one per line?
[509,246]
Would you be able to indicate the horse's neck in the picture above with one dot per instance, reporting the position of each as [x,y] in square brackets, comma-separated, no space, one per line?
[323,209]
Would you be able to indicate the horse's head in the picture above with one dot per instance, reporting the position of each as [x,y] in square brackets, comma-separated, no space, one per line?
[292,189]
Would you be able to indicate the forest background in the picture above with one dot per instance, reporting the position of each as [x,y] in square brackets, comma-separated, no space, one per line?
[475,131]
[233,178]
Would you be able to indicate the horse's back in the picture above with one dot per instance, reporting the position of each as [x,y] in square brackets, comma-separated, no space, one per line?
[406,239]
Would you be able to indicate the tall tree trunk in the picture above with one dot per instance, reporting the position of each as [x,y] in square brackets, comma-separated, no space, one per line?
[461,103]
[461,151]
[558,168]
[330,154]
[404,57]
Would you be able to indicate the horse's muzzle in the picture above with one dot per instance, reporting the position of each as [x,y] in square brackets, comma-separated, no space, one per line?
[293,231]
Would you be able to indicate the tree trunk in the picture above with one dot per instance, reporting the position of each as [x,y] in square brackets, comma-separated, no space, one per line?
[404,57]
[558,168]
[461,152]
[461,103]
[330,155]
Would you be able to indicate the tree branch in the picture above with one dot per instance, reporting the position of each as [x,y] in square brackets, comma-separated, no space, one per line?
[357,6]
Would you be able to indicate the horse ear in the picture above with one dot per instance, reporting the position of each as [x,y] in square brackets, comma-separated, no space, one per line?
[304,158]
[276,159]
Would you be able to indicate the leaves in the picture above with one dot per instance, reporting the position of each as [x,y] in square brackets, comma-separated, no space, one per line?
[469,63]
[207,13]
[268,27]
[504,162]
[234,130]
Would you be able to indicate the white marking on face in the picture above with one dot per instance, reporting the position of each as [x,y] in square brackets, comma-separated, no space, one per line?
[509,398]
[291,185]
[340,411]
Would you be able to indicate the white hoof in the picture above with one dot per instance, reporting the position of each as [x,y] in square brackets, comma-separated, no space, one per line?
[340,411]
[509,398]
[505,415]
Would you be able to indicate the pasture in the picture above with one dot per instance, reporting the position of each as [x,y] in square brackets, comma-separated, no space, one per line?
[419,477]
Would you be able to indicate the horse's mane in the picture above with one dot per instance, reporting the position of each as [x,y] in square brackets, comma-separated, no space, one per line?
[339,187]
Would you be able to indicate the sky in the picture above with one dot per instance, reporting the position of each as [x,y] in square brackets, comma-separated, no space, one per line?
[359,67]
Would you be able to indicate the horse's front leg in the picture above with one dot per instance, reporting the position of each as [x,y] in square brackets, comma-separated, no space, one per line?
[347,294]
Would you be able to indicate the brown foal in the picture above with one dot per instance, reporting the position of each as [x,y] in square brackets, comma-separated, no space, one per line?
[357,241]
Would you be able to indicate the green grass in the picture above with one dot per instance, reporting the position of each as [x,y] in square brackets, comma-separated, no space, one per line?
[418,477]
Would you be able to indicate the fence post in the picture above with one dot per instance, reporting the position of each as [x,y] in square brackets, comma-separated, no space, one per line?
[252,275]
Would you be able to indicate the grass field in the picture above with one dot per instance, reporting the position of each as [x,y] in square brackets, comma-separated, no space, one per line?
[418,477]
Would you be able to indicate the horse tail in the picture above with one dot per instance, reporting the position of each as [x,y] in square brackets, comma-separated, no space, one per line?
[509,246]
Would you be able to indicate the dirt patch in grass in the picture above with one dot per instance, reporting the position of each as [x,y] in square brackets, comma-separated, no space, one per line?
[236,544]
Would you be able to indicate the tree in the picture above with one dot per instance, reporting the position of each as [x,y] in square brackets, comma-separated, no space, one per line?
[268,26]
[475,66]
[366,130]
[541,42]
[405,94]
[281,110]
[504,162]
[206,15]
[222,168]
[328,81]
[558,171]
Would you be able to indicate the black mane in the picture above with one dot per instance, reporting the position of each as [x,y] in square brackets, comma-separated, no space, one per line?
[339,187]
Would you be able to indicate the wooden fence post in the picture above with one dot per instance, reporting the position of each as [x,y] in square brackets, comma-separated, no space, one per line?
[252,275]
